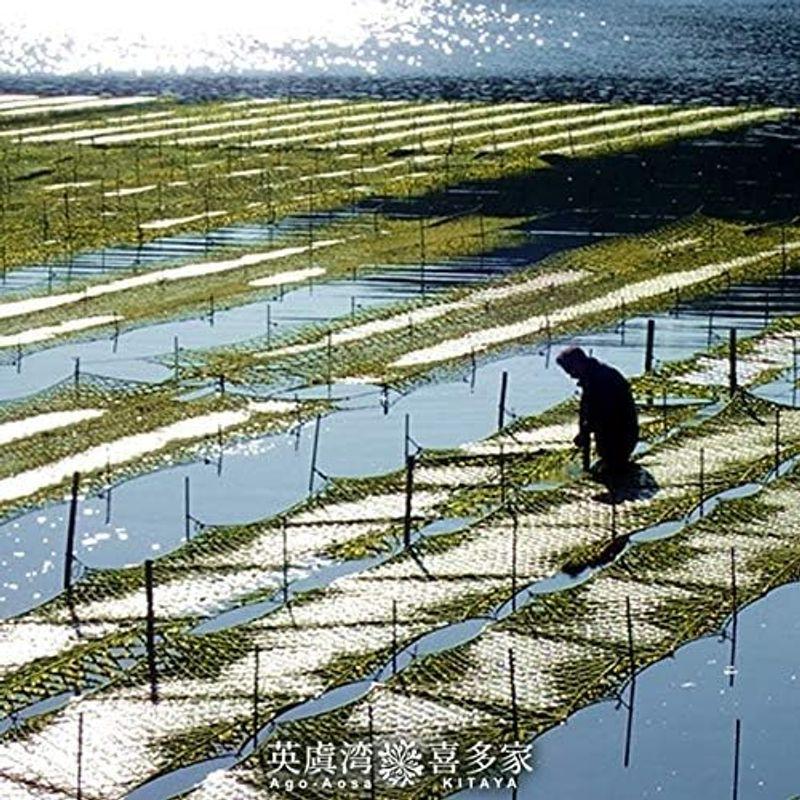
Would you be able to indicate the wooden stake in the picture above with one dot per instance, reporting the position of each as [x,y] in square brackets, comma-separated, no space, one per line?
[409,500]
[732,379]
[329,352]
[422,254]
[632,674]
[474,365]
[649,344]
[256,724]
[108,492]
[734,613]
[501,406]
[777,440]
[384,401]
[502,458]
[514,527]
[702,479]
[187,514]
[314,451]
[73,515]
[79,782]
[737,745]
[285,564]
[394,638]
[151,631]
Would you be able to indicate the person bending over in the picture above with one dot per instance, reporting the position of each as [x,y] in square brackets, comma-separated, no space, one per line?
[607,410]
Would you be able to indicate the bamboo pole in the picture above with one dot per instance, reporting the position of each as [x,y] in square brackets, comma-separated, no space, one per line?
[649,345]
[734,614]
[702,481]
[150,631]
[108,491]
[514,534]
[256,724]
[79,778]
[394,638]
[501,406]
[737,746]
[502,459]
[285,563]
[409,501]
[71,525]
[422,255]
[314,452]
[632,675]
[187,514]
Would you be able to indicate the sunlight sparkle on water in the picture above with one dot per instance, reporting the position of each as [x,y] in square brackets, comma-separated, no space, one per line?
[314,36]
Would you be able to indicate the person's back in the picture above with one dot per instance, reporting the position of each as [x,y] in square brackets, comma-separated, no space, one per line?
[608,409]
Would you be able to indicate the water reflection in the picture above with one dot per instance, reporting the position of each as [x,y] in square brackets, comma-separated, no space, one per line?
[721,51]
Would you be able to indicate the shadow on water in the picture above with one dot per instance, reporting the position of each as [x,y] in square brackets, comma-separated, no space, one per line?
[746,176]
[636,483]
[750,176]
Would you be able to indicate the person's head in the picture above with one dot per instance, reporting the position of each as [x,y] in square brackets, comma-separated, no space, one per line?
[574,361]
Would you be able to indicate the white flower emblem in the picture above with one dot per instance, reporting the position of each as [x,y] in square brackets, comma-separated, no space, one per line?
[401,763]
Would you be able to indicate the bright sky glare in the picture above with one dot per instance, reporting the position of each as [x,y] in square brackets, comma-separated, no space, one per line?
[274,22]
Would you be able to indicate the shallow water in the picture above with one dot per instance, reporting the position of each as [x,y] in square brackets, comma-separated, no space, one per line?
[134,353]
[447,637]
[684,717]
[159,252]
[268,475]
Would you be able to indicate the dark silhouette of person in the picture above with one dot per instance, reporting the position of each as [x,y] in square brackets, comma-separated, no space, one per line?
[607,410]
